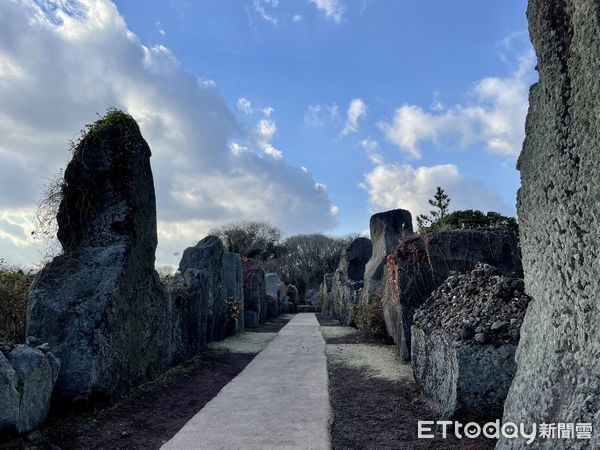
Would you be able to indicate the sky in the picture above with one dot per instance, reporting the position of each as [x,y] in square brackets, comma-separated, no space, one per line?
[308,114]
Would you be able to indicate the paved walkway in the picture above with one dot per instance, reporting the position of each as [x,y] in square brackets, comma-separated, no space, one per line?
[279,401]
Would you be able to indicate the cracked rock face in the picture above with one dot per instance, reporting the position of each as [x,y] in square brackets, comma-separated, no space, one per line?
[558,375]
[100,305]
[255,295]
[348,279]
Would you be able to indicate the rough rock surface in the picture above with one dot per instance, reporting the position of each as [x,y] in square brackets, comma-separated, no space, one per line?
[255,296]
[407,284]
[325,294]
[310,297]
[27,379]
[274,289]
[460,250]
[464,339]
[291,292]
[233,280]
[387,228]
[100,304]
[558,361]
[348,279]
[207,256]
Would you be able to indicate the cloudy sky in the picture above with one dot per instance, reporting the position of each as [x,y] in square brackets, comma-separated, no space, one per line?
[309,114]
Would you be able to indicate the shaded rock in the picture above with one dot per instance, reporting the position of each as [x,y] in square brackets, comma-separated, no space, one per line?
[100,304]
[460,250]
[274,288]
[324,296]
[348,279]
[9,397]
[190,302]
[558,371]
[387,228]
[461,358]
[407,284]
[255,297]
[291,292]
[233,280]
[310,297]
[207,256]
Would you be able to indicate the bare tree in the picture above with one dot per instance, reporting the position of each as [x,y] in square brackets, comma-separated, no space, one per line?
[257,240]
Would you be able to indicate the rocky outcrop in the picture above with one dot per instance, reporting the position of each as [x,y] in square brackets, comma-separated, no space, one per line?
[460,250]
[100,304]
[274,289]
[207,256]
[464,339]
[310,297]
[233,280]
[387,228]
[407,284]
[199,299]
[27,377]
[348,279]
[291,292]
[419,265]
[325,294]
[255,296]
[558,372]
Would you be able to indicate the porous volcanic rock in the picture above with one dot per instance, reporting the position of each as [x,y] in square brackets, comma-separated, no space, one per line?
[348,279]
[387,228]
[558,375]
[233,280]
[255,296]
[325,294]
[274,288]
[407,284]
[464,339]
[291,292]
[27,379]
[100,304]
[207,256]
[460,250]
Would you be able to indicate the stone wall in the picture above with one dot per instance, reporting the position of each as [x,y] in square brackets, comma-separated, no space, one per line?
[558,368]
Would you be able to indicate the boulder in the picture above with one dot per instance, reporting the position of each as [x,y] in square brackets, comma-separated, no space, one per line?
[558,364]
[288,307]
[325,294]
[27,379]
[100,304]
[274,288]
[233,281]
[460,250]
[407,284]
[348,279]
[207,256]
[419,265]
[291,292]
[255,296]
[464,339]
[310,297]
[387,228]
[190,302]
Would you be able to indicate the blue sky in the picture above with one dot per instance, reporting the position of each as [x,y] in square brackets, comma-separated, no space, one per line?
[311,114]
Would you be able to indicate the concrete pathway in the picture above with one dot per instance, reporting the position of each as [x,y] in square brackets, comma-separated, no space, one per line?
[279,401]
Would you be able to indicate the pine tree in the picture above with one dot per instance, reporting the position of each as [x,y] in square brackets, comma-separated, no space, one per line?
[440,202]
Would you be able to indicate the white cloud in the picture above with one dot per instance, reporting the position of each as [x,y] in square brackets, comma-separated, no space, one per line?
[259,8]
[404,186]
[356,110]
[208,170]
[297,18]
[160,28]
[265,132]
[494,117]
[333,9]
[320,115]
[243,104]
[371,148]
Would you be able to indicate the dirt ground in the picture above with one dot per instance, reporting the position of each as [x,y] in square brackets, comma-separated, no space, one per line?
[153,413]
[375,402]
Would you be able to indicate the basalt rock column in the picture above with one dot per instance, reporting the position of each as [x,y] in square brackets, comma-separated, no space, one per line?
[558,357]
[100,304]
